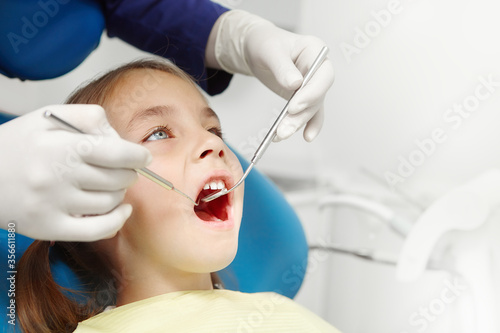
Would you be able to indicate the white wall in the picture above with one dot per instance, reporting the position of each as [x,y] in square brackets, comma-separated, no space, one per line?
[399,87]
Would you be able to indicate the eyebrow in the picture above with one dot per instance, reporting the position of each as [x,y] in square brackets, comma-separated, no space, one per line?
[154,111]
[162,110]
[209,113]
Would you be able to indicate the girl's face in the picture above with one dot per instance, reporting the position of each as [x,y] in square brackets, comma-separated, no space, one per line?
[166,231]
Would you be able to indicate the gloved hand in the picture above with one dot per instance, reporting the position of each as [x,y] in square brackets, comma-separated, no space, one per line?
[57,184]
[250,45]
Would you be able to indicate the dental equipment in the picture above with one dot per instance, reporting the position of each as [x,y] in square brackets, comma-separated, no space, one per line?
[465,208]
[381,257]
[272,132]
[143,171]
[375,256]
[399,224]
[460,227]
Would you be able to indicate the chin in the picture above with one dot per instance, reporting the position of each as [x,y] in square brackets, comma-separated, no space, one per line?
[213,262]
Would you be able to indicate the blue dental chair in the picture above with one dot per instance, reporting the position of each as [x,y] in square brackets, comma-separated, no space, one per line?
[272,254]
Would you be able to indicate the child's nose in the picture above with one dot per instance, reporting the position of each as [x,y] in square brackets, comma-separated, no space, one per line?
[210,145]
[211,151]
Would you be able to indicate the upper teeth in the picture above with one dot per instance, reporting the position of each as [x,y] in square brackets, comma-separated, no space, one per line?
[215,185]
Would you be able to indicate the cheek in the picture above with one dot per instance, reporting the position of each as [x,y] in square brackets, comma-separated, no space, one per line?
[153,206]
[157,228]
[237,170]
[238,204]
[234,164]
[167,163]
[144,193]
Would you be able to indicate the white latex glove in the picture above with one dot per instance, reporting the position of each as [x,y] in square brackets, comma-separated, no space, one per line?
[250,45]
[56,184]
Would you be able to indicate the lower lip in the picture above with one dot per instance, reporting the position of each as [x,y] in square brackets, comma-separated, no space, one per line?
[219,225]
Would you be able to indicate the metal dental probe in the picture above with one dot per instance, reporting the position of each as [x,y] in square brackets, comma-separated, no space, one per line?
[143,171]
[272,132]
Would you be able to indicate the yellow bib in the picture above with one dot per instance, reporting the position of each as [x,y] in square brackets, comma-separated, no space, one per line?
[208,311]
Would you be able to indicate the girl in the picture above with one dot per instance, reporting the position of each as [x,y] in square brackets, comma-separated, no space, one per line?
[156,273]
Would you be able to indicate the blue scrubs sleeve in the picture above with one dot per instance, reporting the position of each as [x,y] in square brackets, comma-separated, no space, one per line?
[174,29]
[44,39]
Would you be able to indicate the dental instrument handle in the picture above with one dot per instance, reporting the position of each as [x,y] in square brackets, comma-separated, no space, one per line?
[143,171]
[155,178]
[247,171]
[272,132]
[162,182]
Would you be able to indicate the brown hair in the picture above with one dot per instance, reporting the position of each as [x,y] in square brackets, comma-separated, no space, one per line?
[43,305]
[99,90]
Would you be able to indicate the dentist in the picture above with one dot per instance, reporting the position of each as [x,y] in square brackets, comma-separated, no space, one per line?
[59,185]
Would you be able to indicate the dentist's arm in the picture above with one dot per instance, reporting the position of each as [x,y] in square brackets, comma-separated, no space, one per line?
[59,185]
[244,43]
[176,30]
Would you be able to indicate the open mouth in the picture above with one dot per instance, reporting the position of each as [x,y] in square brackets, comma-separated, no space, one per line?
[216,210]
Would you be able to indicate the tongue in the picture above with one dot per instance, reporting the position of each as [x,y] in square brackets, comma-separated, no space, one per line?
[206,212]
[213,210]
[206,216]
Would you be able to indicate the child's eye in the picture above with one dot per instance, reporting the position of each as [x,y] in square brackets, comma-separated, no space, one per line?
[217,131]
[159,133]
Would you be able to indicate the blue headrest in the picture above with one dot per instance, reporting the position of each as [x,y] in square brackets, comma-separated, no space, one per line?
[272,252]
[272,245]
[4,117]
[35,46]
